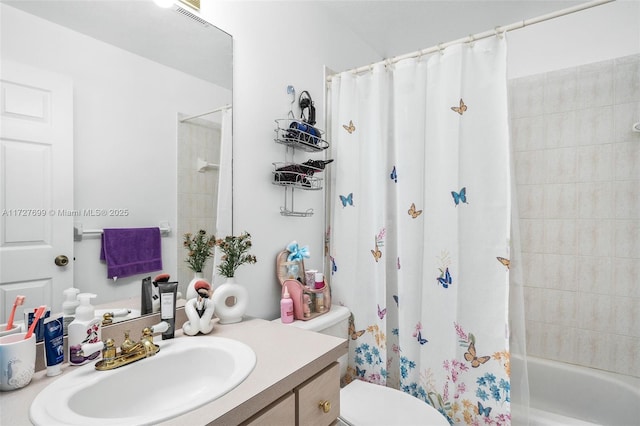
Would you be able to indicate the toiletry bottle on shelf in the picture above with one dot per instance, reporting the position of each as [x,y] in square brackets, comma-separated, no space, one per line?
[319,299]
[286,307]
[319,302]
[69,306]
[306,308]
[319,280]
[85,328]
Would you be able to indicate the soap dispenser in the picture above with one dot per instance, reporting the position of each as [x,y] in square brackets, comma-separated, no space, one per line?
[85,328]
[69,306]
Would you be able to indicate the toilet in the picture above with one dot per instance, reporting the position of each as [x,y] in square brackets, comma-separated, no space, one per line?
[363,403]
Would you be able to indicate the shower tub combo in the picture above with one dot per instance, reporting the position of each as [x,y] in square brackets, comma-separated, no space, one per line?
[566,394]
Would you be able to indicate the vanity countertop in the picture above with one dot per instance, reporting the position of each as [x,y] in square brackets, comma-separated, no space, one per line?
[286,356]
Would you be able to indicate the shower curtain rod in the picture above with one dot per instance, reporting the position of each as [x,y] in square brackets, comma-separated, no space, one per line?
[474,37]
[222,108]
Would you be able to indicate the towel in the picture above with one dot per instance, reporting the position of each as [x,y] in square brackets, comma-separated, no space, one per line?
[131,251]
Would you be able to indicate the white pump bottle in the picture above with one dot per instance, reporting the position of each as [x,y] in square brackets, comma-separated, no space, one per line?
[85,328]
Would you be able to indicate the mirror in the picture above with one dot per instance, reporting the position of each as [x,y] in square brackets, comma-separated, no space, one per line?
[136,70]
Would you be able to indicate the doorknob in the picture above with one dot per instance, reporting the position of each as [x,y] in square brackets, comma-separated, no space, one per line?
[61,260]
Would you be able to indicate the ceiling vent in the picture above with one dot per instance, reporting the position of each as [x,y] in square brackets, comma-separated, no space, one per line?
[186,13]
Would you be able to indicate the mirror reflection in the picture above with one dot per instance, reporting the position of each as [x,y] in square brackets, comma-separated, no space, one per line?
[151,90]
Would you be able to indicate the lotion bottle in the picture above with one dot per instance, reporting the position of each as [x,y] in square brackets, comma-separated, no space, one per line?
[69,306]
[286,307]
[85,328]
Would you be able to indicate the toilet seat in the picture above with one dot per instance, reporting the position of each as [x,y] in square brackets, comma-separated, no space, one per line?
[363,403]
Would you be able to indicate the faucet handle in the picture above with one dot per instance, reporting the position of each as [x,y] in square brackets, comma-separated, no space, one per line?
[89,348]
[108,348]
[147,333]
[161,327]
[107,318]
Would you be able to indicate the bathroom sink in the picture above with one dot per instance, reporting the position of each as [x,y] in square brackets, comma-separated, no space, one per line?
[187,372]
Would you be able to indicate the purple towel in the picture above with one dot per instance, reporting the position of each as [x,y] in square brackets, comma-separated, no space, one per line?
[131,251]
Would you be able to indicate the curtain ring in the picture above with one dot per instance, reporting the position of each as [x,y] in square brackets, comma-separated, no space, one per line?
[498,33]
[440,48]
[471,41]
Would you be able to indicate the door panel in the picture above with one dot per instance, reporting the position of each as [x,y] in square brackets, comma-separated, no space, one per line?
[36,186]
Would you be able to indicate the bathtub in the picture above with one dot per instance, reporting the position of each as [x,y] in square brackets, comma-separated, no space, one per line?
[565,394]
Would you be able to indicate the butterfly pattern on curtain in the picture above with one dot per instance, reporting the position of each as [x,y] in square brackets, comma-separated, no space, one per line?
[413,307]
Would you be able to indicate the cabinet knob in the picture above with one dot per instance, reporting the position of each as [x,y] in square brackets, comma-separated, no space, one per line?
[325,405]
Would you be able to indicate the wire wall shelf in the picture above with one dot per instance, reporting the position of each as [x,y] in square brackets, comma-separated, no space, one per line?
[296,176]
[299,135]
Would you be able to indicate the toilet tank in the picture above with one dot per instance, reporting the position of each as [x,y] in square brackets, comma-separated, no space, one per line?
[333,323]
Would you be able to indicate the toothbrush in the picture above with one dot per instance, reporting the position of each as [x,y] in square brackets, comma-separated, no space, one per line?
[36,318]
[19,301]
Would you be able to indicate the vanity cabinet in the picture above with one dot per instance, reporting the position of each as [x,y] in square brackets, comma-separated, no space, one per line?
[315,402]
[287,386]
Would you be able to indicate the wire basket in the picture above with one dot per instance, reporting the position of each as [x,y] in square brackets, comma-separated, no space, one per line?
[297,176]
[300,135]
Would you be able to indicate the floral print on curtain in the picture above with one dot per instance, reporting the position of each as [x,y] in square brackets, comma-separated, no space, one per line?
[420,221]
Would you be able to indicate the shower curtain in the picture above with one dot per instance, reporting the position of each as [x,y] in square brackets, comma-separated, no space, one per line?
[419,227]
[224,219]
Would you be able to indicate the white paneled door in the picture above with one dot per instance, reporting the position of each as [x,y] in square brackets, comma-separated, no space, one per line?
[36,187]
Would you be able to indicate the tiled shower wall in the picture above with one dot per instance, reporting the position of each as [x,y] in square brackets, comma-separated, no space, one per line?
[197,192]
[577,167]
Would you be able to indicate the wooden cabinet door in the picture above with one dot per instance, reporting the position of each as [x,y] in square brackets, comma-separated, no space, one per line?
[319,398]
[281,413]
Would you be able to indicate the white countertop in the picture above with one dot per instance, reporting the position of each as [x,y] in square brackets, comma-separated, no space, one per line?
[286,356]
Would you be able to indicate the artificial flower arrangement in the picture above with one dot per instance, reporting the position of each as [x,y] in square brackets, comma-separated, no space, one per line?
[200,248]
[295,258]
[234,251]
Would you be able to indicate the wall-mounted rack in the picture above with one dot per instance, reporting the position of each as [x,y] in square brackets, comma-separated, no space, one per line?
[300,135]
[297,176]
[79,231]
[297,134]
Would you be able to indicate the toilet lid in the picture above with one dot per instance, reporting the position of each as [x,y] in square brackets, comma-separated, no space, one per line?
[363,403]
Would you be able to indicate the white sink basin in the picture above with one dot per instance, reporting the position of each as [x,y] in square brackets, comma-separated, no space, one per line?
[187,372]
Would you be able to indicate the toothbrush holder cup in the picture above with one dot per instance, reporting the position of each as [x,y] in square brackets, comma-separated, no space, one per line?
[15,328]
[17,361]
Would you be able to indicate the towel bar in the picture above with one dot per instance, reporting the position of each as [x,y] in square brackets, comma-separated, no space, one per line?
[79,231]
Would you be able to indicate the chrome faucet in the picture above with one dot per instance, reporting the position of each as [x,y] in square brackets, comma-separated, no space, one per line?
[130,351]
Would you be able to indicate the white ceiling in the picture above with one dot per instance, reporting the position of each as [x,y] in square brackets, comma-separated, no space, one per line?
[141,27]
[390,28]
[398,27]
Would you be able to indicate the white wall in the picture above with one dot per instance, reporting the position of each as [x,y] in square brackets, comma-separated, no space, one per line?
[276,44]
[604,32]
[124,135]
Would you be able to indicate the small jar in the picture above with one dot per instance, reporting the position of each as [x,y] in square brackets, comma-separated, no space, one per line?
[310,277]
[319,280]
